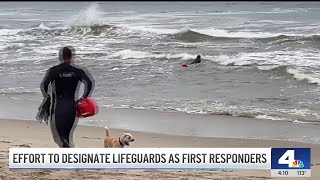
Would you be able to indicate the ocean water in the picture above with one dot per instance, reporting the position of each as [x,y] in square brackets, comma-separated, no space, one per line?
[260,60]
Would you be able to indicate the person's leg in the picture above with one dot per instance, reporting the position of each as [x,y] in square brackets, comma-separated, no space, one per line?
[68,117]
[68,129]
[71,142]
[55,134]
[64,120]
[53,124]
[60,126]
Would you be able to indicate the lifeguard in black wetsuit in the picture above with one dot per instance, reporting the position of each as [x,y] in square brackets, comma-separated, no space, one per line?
[65,82]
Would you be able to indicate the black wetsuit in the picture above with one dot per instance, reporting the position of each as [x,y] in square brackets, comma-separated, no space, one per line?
[196,61]
[65,81]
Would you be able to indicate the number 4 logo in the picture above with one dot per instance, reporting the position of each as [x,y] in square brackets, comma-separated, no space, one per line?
[287,158]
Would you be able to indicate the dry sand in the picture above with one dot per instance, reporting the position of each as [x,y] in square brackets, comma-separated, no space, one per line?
[15,133]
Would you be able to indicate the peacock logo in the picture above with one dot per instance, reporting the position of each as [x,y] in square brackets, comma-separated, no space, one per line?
[297,164]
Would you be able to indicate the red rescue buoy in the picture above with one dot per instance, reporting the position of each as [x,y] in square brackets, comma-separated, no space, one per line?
[184,65]
[86,108]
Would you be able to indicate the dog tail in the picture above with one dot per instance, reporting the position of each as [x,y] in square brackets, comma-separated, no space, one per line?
[107,132]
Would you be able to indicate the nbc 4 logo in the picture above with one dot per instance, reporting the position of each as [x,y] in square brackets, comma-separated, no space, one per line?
[298,164]
[288,158]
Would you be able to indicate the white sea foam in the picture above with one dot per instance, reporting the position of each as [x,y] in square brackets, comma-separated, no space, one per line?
[303,65]
[18,90]
[271,118]
[42,26]
[132,54]
[301,122]
[310,77]
[214,32]
[267,67]
[9,32]
[87,17]
[127,54]
[240,34]
[277,58]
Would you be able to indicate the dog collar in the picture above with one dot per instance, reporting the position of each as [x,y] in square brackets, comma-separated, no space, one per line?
[120,142]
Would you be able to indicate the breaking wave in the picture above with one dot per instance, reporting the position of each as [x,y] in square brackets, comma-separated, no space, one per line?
[91,22]
[304,75]
[222,35]
[95,30]
[279,63]
[288,69]
[185,35]
[311,77]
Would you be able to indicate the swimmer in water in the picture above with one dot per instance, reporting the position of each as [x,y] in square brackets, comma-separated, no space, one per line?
[197,60]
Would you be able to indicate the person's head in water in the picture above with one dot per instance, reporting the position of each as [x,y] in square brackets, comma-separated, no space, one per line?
[66,54]
[198,57]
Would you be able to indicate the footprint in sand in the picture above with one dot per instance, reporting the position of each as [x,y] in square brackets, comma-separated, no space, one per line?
[85,137]
[3,157]
[258,177]
[3,177]
[23,145]
[227,171]
[37,174]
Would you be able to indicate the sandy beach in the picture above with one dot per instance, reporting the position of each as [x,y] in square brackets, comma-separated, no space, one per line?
[22,133]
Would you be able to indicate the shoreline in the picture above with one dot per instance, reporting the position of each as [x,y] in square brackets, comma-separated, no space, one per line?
[20,105]
[156,122]
[163,134]
[179,123]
